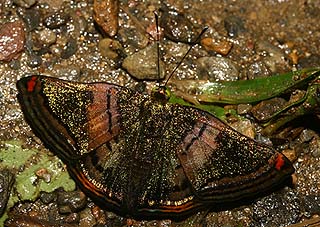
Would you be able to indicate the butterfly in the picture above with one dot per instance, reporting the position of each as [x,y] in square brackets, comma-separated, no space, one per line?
[142,157]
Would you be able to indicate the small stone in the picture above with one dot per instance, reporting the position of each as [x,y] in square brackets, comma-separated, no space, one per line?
[143,64]
[221,47]
[217,69]
[177,26]
[86,218]
[290,154]
[25,3]
[68,72]
[105,13]
[312,204]
[108,48]
[257,70]
[46,37]
[275,55]
[307,135]
[47,198]
[294,57]
[14,64]
[12,40]
[43,174]
[309,61]
[72,218]
[245,127]
[70,49]
[315,147]
[265,109]
[277,209]
[31,18]
[99,214]
[234,25]
[56,20]
[34,61]
[71,201]
[133,39]
[56,49]
[244,108]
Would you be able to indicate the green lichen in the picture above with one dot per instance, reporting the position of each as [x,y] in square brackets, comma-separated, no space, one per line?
[25,163]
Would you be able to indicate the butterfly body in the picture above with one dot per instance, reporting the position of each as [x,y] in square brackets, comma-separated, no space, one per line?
[142,157]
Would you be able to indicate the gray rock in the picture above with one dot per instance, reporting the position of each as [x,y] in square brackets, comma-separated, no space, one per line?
[143,64]
[217,69]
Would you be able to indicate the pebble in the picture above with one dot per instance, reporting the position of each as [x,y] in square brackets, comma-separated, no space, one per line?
[245,127]
[46,37]
[31,18]
[309,61]
[56,20]
[315,147]
[71,201]
[67,71]
[105,14]
[86,218]
[275,55]
[34,61]
[217,69]
[108,48]
[307,135]
[177,27]
[234,26]
[6,182]
[265,109]
[244,108]
[33,221]
[222,47]
[290,154]
[25,3]
[311,204]
[43,174]
[284,206]
[133,39]
[143,64]
[72,218]
[47,198]
[70,48]
[14,64]
[12,40]
[294,57]
[257,70]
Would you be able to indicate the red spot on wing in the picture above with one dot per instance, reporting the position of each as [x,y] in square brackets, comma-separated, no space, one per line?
[279,162]
[31,84]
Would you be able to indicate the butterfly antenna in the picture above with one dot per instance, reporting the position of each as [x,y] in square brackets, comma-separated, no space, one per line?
[178,65]
[158,46]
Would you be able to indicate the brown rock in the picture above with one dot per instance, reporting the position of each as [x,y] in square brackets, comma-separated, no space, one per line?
[12,39]
[222,47]
[105,13]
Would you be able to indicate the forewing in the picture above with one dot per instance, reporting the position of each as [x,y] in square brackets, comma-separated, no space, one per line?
[225,166]
[70,118]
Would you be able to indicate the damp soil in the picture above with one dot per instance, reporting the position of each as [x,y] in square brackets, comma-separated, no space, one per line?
[65,39]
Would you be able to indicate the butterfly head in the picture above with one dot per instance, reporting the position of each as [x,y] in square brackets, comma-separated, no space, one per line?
[161,94]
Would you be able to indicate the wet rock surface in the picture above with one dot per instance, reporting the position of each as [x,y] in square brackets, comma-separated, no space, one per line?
[63,40]
[12,39]
[217,69]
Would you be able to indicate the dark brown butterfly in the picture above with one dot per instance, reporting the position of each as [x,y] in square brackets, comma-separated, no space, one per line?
[140,156]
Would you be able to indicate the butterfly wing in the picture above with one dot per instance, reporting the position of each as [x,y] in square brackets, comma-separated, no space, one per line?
[226,167]
[70,118]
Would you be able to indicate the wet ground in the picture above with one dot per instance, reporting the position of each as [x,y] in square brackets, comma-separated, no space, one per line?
[245,40]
